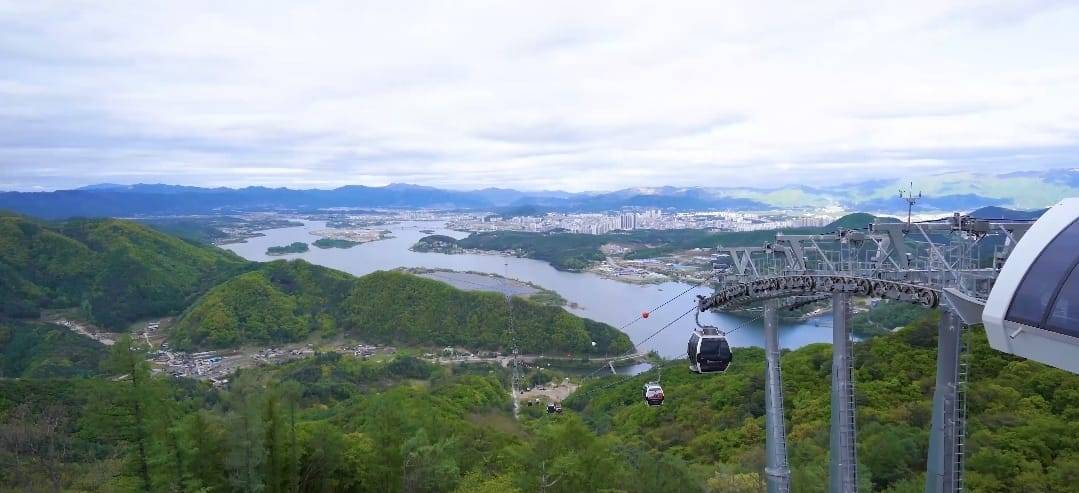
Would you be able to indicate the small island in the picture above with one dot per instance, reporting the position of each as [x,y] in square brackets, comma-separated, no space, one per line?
[437,244]
[334,243]
[297,247]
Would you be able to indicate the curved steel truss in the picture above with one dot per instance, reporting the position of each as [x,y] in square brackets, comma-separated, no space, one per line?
[808,284]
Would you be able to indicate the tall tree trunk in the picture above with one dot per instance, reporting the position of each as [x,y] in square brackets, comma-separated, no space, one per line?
[140,431]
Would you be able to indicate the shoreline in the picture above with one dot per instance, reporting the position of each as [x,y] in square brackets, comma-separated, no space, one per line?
[537,294]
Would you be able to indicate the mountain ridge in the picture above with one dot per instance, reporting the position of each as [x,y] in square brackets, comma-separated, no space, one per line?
[956,191]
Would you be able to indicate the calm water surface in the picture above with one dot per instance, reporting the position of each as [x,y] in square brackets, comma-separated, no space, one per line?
[612,302]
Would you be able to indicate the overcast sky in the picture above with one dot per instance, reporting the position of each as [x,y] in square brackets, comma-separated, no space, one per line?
[556,95]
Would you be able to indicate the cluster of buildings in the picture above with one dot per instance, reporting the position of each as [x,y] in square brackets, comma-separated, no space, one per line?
[602,223]
[365,350]
[274,355]
[594,223]
[206,365]
[353,235]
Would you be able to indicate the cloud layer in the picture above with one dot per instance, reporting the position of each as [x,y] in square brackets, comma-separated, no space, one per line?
[554,95]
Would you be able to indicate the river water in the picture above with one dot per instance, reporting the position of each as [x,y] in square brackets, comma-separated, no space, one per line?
[613,302]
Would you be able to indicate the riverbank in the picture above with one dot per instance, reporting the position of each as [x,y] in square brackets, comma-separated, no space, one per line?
[481,281]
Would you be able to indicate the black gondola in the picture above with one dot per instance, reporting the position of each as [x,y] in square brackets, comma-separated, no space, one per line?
[708,351]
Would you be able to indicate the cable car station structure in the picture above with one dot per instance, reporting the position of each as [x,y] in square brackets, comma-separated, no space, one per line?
[950,264]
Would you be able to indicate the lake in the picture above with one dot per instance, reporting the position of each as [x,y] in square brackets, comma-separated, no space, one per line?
[613,302]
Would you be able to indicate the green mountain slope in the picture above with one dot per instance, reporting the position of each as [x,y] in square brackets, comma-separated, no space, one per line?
[857,220]
[1020,413]
[36,350]
[286,301]
[280,301]
[116,271]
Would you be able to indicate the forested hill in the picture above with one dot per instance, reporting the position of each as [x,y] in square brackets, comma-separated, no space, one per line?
[116,271]
[1023,416]
[286,301]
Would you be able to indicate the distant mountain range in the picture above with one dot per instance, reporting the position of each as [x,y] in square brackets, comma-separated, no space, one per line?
[956,191]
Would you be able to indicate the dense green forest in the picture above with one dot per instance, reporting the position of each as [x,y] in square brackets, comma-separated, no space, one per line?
[885,317]
[114,271]
[337,423]
[576,251]
[37,350]
[327,423]
[294,247]
[285,301]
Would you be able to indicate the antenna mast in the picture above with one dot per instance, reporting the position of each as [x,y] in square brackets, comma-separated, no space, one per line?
[911,199]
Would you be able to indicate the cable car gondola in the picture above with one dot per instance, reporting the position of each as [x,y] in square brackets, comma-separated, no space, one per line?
[653,394]
[1033,309]
[708,350]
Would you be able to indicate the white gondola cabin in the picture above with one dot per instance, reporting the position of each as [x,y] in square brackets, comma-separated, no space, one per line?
[653,394]
[1033,309]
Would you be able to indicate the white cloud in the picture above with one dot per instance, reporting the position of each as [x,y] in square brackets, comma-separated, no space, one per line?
[571,95]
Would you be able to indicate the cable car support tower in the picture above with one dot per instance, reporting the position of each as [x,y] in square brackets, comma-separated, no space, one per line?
[948,264]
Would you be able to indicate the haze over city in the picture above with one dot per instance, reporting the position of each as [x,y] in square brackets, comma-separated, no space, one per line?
[552,95]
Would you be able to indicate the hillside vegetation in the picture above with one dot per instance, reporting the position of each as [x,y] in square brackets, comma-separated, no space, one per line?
[36,350]
[337,423]
[286,301]
[115,271]
[1022,415]
[326,423]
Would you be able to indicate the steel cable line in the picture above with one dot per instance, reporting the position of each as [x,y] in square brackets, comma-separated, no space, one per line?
[620,381]
[625,378]
[740,326]
[657,307]
[665,303]
[661,329]
[672,322]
